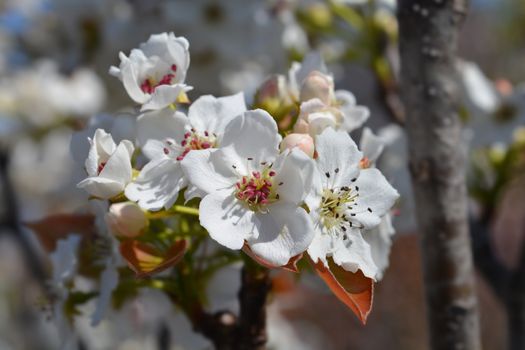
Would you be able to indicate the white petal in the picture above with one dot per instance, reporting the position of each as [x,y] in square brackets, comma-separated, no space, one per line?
[207,171]
[108,282]
[161,125]
[380,241]
[212,114]
[353,117]
[118,166]
[64,258]
[101,187]
[320,121]
[193,192]
[321,247]
[296,175]
[338,158]
[157,185]
[345,97]
[277,245]
[131,83]
[376,197]
[253,135]
[164,95]
[371,145]
[311,106]
[226,219]
[354,254]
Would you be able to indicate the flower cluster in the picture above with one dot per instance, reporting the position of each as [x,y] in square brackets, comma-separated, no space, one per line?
[312,192]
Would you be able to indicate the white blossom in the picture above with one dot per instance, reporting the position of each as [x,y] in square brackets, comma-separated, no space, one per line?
[108,166]
[168,136]
[154,74]
[253,194]
[346,200]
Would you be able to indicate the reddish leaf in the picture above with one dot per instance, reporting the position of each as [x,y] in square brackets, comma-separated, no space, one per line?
[146,260]
[53,228]
[290,266]
[354,289]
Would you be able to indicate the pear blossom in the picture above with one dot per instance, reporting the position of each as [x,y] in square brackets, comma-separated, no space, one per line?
[345,201]
[154,74]
[253,194]
[108,166]
[167,137]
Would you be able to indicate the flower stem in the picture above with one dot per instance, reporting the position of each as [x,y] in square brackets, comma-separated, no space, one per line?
[176,209]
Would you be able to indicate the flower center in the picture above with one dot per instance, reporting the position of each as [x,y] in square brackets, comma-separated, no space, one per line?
[197,141]
[149,84]
[193,140]
[257,190]
[335,207]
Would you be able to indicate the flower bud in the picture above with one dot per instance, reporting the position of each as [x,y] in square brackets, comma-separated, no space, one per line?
[301,127]
[303,141]
[274,97]
[317,85]
[126,219]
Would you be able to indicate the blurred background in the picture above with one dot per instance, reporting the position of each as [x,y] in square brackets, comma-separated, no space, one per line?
[54,61]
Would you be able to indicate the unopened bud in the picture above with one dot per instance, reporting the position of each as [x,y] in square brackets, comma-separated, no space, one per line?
[274,97]
[303,141]
[126,219]
[318,85]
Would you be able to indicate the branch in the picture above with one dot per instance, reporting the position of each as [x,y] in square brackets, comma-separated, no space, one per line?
[11,222]
[516,305]
[428,40]
[255,287]
[246,332]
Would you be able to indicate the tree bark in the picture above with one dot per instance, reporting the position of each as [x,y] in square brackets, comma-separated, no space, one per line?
[428,41]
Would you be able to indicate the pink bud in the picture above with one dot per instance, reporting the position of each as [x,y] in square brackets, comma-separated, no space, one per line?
[301,127]
[126,219]
[317,85]
[303,141]
[274,87]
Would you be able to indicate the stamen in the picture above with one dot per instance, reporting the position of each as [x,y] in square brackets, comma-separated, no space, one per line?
[257,190]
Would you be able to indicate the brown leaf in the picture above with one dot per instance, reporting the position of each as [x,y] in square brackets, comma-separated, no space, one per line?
[290,266]
[53,228]
[354,289]
[146,260]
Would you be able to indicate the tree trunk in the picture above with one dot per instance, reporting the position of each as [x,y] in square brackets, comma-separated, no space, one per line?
[428,41]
